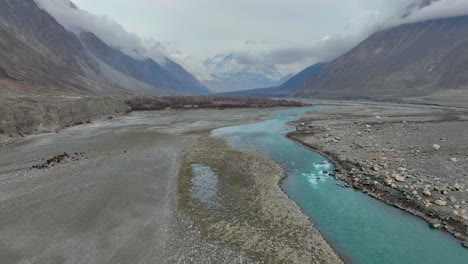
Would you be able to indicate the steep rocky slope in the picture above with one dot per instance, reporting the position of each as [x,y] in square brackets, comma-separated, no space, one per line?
[412,60]
[36,49]
[169,76]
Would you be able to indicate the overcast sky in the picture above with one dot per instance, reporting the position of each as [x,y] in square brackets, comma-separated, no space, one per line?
[291,34]
[204,28]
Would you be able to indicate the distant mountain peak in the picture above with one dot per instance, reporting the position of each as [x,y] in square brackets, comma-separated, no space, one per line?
[228,74]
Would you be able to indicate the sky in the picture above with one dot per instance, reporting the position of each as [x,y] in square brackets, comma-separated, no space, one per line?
[290,34]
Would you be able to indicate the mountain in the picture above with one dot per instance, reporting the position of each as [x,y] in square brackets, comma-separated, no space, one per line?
[37,50]
[413,60]
[230,75]
[169,75]
[286,88]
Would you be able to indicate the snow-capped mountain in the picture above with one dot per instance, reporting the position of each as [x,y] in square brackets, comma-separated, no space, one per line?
[228,74]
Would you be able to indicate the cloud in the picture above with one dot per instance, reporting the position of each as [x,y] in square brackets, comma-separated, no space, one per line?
[204,28]
[354,32]
[424,10]
[109,31]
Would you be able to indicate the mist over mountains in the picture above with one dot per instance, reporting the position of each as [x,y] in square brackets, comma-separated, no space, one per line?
[228,73]
[55,43]
[39,50]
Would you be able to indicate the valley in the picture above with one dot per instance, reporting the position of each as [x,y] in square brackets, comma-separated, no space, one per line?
[291,134]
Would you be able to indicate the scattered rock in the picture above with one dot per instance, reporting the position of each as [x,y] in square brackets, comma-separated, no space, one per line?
[399,178]
[388,182]
[402,169]
[465,244]
[427,193]
[435,223]
[440,202]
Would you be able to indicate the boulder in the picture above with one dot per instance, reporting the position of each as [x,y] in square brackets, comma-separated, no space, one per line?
[465,244]
[399,178]
[427,193]
[454,159]
[435,223]
[388,182]
[436,147]
[440,202]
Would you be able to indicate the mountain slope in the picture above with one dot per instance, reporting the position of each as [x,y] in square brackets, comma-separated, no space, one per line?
[286,88]
[171,77]
[411,60]
[36,49]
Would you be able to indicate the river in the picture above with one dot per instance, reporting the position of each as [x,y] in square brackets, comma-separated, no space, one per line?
[360,228]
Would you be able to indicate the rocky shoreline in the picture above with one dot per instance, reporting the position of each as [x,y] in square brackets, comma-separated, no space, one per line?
[253,216]
[409,157]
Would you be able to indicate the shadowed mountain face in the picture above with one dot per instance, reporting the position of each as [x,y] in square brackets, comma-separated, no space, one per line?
[412,60]
[36,49]
[286,88]
[170,76]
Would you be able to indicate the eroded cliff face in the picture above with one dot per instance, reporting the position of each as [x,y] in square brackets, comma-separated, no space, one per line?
[25,116]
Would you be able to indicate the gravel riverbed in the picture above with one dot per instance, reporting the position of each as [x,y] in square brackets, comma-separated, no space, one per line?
[411,156]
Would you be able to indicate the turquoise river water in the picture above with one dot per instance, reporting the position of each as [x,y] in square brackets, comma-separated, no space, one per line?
[360,228]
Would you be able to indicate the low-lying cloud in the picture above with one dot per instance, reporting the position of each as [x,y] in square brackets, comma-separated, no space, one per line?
[335,45]
[373,15]
[425,10]
[109,31]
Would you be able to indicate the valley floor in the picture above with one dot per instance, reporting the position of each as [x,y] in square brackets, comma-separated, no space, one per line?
[108,193]
[411,156]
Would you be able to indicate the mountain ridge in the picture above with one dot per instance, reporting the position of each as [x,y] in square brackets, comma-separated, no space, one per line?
[35,48]
[285,89]
[410,60]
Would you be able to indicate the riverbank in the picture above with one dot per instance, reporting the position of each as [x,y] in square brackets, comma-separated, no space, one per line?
[111,198]
[412,157]
[22,116]
[249,213]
